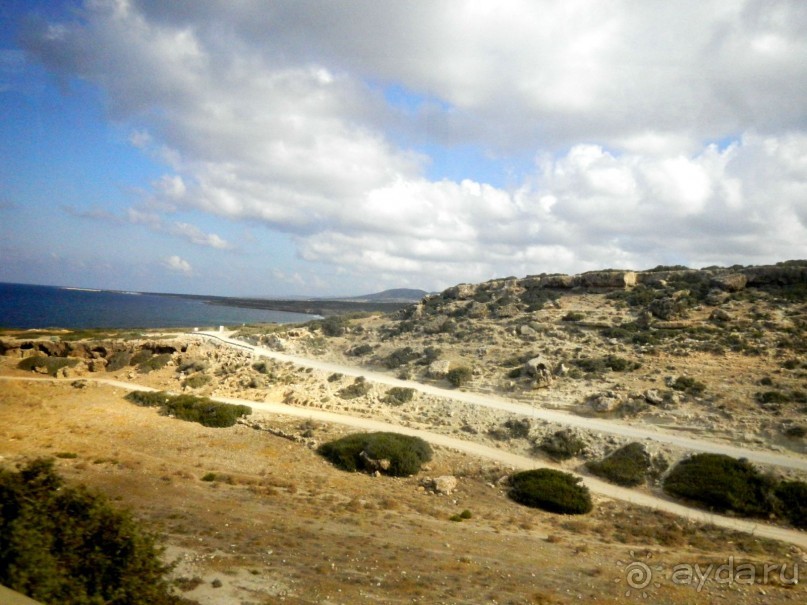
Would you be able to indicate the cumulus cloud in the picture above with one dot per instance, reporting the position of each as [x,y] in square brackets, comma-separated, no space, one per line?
[177,264]
[661,133]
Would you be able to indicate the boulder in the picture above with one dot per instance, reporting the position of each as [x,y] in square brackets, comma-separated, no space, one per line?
[460,292]
[439,368]
[729,282]
[653,397]
[605,402]
[527,332]
[608,279]
[539,369]
[720,315]
[445,484]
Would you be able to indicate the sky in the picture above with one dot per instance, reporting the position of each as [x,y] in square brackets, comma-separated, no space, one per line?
[300,147]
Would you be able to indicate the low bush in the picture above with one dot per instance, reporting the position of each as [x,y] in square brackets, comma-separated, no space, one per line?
[118,361]
[367,451]
[191,408]
[192,365]
[399,395]
[599,365]
[628,466]
[141,356]
[196,381]
[551,490]
[573,316]
[792,496]
[67,545]
[335,325]
[359,350]
[688,385]
[400,357]
[155,362]
[722,483]
[459,376]
[562,445]
[772,397]
[359,388]
[45,364]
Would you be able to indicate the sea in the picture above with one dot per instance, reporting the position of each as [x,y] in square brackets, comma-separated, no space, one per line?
[32,307]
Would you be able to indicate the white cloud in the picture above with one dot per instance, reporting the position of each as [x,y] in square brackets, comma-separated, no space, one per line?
[272,114]
[177,264]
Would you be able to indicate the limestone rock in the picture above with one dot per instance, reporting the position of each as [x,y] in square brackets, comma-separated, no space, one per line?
[539,369]
[439,368]
[445,484]
[653,397]
[730,282]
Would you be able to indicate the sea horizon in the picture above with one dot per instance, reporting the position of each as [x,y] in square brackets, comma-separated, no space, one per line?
[36,306]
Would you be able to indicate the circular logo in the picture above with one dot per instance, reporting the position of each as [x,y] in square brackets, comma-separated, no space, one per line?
[639,576]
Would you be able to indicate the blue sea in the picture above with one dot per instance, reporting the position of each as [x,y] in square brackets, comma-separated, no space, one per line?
[27,307]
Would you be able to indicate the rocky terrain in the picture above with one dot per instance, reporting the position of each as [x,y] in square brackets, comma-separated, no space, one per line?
[718,354]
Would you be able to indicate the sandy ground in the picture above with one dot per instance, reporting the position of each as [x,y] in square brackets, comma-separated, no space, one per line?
[279,524]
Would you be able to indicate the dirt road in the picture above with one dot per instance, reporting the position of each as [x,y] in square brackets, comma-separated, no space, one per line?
[597,486]
[554,416]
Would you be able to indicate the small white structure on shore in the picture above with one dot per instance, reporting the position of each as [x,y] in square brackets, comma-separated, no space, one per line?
[221,328]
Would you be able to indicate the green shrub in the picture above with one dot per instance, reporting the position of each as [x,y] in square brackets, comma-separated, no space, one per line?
[722,484]
[399,395]
[333,326]
[360,350]
[209,477]
[156,362]
[602,364]
[196,381]
[191,408]
[48,365]
[628,466]
[400,357]
[466,514]
[688,385]
[141,356]
[772,397]
[261,367]
[192,365]
[459,376]
[67,545]
[118,361]
[359,388]
[573,316]
[335,377]
[357,452]
[562,445]
[792,496]
[551,490]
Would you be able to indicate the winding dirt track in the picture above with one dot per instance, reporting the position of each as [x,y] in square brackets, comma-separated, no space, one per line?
[555,416]
[597,486]
[519,462]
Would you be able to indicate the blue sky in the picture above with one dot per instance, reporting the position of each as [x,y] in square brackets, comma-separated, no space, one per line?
[326,148]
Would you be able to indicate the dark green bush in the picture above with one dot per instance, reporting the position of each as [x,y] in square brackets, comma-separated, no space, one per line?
[601,364]
[459,376]
[792,496]
[628,466]
[48,365]
[191,408]
[399,395]
[400,357]
[66,545]
[573,316]
[772,397]
[356,452]
[359,388]
[334,325]
[156,362]
[688,385]
[141,356]
[196,381]
[118,361]
[192,365]
[562,445]
[551,490]
[360,350]
[722,484]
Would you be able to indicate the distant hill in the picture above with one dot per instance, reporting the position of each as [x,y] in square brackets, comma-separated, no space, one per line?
[393,295]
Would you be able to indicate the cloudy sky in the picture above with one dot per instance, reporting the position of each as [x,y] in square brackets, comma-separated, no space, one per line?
[274,147]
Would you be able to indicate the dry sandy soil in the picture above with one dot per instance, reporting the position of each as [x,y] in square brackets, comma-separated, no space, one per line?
[279,524]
